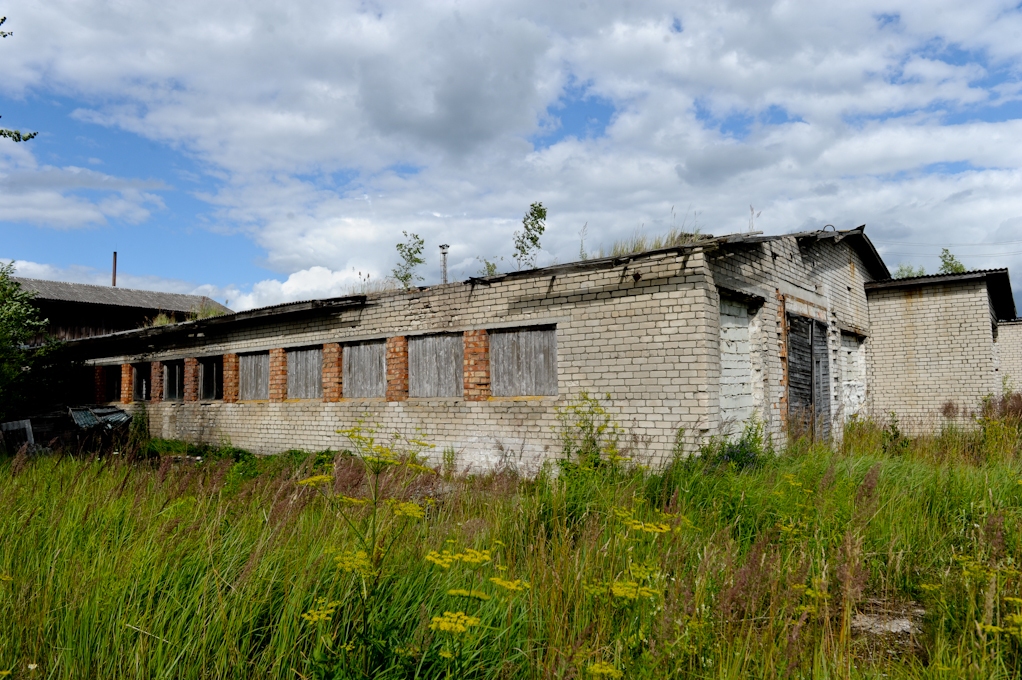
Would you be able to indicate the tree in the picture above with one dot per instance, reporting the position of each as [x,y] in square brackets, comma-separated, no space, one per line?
[907,271]
[949,264]
[19,323]
[15,135]
[410,253]
[527,240]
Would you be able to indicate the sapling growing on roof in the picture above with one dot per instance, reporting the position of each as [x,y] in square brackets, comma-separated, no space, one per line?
[410,253]
[527,240]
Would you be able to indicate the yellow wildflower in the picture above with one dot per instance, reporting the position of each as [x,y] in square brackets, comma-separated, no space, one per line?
[627,590]
[348,500]
[446,654]
[631,590]
[443,560]
[322,612]
[474,594]
[355,561]
[472,556]
[514,586]
[406,509]
[316,480]
[602,668]
[6,577]
[454,622]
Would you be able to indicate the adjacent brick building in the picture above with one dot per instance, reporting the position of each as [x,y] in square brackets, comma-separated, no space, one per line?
[689,341]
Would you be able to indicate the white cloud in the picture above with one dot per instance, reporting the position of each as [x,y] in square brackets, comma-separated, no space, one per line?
[333,127]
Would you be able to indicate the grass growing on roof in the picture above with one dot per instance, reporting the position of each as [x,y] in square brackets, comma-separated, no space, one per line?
[366,563]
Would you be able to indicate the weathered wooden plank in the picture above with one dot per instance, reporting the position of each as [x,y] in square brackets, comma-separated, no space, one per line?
[365,370]
[523,362]
[800,369]
[305,373]
[254,376]
[821,380]
[436,365]
[736,401]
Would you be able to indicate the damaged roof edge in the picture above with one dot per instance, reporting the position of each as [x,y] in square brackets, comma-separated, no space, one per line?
[599,263]
[202,325]
[860,242]
[997,280]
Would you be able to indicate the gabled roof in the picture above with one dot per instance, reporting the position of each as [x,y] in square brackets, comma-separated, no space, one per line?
[856,238]
[119,297]
[998,287]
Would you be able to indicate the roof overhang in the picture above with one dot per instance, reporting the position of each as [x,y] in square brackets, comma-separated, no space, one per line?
[137,341]
[998,287]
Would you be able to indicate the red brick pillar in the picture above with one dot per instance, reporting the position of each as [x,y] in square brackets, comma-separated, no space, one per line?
[191,379]
[127,384]
[99,382]
[231,378]
[477,366]
[333,371]
[397,368]
[156,382]
[278,375]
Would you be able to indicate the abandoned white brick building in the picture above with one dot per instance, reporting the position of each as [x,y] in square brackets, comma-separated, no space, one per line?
[699,338]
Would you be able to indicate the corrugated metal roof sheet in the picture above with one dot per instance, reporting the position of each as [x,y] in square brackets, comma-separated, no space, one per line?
[87,418]
[121,297]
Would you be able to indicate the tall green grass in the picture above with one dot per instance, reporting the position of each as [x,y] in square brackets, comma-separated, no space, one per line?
[745,562]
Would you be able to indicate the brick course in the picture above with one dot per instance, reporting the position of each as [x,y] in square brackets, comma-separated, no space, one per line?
[278,374]
[397,368]
[230,378]
[333,372]
[156,382]
[191,379]
[477,365]
[127,383]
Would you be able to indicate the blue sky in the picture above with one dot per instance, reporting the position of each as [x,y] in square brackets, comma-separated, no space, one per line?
[260,153]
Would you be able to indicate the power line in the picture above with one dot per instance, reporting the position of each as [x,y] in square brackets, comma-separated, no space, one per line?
[945,245]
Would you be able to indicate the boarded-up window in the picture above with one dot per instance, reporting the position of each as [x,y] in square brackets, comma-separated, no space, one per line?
[305,373]
[853,374]
[436,365]
[365,370]
[254,376]
[736,401]
[140,388]
[523,362]
[174,380]
[809,389]
[211,378]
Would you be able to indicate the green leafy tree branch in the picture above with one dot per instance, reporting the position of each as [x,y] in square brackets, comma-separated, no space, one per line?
[410,253]
[15,135]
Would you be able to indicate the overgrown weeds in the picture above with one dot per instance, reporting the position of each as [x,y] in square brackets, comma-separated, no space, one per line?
[744,562]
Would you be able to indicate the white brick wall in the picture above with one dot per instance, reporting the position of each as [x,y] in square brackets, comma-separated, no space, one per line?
[930,345]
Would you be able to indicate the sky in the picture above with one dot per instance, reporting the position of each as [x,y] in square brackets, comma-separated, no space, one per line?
[261,152]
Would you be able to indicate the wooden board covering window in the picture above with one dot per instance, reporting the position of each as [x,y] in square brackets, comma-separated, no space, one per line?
[305,373]
[523,362]
[254,376]
[436,365]
[808,375]
[365,370]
